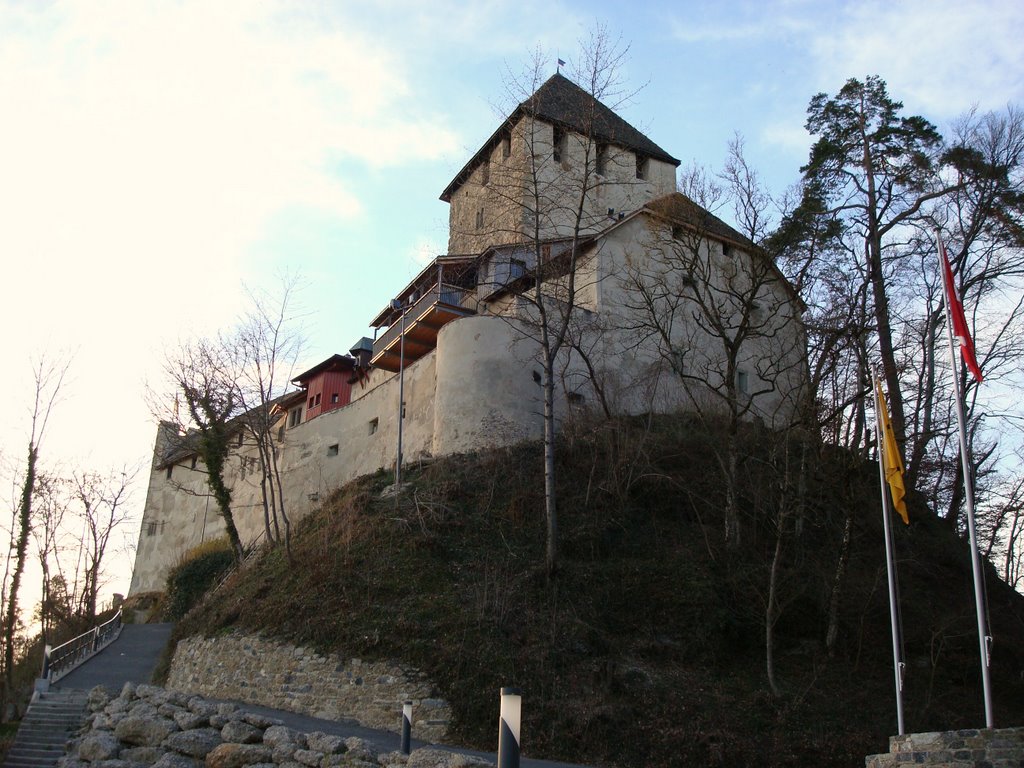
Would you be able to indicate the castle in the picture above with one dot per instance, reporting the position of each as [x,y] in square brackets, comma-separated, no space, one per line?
[669,307]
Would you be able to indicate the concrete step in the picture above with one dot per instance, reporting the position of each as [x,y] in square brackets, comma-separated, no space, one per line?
[50,722]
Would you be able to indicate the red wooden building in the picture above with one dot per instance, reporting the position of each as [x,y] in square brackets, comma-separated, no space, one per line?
[327,385]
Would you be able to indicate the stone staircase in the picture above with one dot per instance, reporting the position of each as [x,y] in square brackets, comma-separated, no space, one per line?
[51,720]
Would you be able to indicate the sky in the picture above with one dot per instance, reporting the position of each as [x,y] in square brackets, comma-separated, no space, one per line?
[157,158]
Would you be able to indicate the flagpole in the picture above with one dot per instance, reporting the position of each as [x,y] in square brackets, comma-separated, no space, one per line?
[979,603]
[890,566]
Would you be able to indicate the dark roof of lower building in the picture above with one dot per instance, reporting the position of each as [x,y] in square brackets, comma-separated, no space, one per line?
[680,208]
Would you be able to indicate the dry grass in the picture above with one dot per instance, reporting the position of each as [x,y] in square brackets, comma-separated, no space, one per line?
[647,649]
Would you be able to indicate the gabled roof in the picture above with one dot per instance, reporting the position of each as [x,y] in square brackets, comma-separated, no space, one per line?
[184,445]
[333,363]
[561,102]
[680,209]
[683,210]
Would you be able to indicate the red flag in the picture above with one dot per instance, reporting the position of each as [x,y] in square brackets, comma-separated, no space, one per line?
[956,311]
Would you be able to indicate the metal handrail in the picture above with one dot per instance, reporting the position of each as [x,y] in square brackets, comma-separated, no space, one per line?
[58,661]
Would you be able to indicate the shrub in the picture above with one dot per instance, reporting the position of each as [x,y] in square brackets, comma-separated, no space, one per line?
[195,573]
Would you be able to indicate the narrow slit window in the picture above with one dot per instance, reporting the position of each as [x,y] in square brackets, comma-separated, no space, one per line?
[374,423]
[559,145]
[332,450]
[743,382]
[641,167]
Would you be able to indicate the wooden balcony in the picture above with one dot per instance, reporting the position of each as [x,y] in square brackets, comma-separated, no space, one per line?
[441,304]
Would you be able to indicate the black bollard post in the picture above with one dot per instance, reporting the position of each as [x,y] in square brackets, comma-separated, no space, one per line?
[406,727]
[508,728]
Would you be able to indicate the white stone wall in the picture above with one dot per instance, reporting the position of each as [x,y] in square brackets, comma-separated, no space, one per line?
[478,390]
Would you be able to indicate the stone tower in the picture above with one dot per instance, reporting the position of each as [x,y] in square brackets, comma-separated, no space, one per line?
[559,149]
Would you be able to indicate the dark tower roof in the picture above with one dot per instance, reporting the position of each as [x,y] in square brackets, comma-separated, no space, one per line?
[561,102]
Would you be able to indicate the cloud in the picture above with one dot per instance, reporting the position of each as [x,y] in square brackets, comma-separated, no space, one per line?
[147,149]
[786,135]
[939,57]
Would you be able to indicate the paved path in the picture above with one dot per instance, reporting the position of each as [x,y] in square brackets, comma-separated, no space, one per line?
[134,655]
[130,658]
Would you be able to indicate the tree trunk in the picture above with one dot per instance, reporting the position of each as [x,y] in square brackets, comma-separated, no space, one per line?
[11,616]
[882,322]
[771,610]
[550,496]
[832,630]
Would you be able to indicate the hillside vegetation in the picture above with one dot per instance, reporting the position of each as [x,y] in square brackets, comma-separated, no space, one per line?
[648,647]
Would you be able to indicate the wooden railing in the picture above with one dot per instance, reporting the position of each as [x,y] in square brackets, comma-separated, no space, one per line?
[449,295]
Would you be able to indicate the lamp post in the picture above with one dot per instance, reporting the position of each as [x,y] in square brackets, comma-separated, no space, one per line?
[397,305]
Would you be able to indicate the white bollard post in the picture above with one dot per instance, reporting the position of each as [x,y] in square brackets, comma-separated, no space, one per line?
[508,728]
[406,727]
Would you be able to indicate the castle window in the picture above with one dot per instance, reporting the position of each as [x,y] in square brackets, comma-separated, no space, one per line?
[485,172]
[241,438]
[332,450]
[602,160]
[560,145]
[153,527]
[641,167]
[195,460]
[742,382]
[170,469]
[726,249]
[506,145]
[574,398]
[334,398]
[480,218]
[374,423]
[294,416]
[280,434]
[317,399]
[677,233]
[311,402]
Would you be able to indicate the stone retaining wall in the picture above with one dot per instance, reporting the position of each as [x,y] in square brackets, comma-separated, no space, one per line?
[256,670]
[991,748]
[149,727]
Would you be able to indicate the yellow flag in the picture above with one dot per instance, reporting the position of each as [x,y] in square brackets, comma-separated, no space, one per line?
[892,461]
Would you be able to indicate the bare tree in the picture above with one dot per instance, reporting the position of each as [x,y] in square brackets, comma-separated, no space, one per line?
[51,508]
[722,317]
[204,375]
[48,376]
[268,347]
[545,208]
[102,500]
